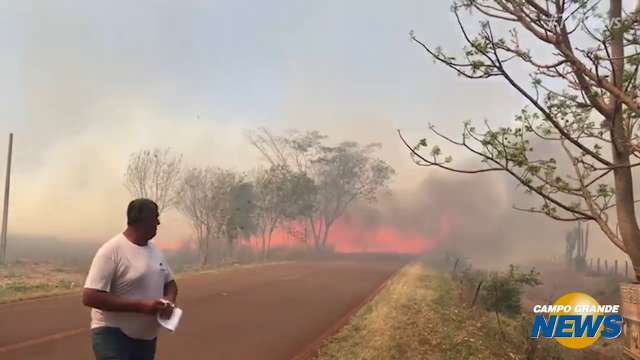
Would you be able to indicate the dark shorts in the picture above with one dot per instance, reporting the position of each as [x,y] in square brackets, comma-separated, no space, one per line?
[110,343]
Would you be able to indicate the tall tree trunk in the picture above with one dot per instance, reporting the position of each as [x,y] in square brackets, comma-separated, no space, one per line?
[230,247]
[203,235]
[266,255]
[315,232]
[263,237]
[205,251]
[306,235]
[325,236]
[623,178]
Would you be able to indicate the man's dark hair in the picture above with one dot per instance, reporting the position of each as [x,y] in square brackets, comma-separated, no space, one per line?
[141,209]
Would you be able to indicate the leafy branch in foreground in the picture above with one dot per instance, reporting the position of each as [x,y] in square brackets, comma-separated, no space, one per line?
[583,98]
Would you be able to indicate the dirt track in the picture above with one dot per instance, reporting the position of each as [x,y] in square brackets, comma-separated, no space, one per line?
[268,312]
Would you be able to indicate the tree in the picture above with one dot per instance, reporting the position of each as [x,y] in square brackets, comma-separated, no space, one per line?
[502,292]
[583,97]
[296,150]
[154,174]
[344,174]
[193,198]
[241,222]
[270,197]
[299,152]
[281,195]
[205,198]
[301,204]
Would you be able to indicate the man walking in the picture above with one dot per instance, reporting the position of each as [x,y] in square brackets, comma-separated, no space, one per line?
[128,284]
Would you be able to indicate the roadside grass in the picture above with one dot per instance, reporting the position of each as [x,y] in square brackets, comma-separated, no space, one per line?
[19,291]
[396,324]
[33,281]
[422,315]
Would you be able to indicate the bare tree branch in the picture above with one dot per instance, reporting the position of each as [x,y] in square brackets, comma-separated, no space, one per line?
[154,174]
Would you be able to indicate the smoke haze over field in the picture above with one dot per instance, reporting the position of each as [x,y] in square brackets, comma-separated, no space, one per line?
[87,84]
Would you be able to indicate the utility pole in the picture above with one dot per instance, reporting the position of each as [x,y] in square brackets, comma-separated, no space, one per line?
[5,212]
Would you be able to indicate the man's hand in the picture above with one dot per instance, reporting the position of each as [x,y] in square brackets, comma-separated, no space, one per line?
[167,311]
[108,302]
[152,307]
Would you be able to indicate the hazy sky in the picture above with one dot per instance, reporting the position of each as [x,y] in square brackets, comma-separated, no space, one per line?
[85,83]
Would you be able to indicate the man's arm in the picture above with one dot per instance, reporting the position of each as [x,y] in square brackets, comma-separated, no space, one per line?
[108,302]
[171,291]
[171,294]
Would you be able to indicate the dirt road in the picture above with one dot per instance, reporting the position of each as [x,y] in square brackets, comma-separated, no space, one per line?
[266,312]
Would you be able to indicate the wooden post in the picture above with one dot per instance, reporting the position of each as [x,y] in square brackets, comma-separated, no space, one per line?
[591,264]
[615,267]
[5,211]
[598,266]
[606,266]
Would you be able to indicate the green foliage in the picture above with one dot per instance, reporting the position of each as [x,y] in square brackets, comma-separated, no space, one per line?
[435,151]
[241,222]
[349,172]
[502,291]
[284,193]
[569,93]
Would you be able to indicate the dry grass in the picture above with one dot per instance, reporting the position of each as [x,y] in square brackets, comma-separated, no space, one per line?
[395,325]
[416,317]
[421,315]
[25,280]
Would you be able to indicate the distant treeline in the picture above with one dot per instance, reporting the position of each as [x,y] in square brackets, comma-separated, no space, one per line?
[303,186]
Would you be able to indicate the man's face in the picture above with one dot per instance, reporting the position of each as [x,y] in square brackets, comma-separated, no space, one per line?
[150,226]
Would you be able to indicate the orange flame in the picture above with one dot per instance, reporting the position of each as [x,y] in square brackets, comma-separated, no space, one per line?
[352,234]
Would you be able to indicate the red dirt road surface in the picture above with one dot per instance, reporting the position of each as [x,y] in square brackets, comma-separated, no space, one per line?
[265,312]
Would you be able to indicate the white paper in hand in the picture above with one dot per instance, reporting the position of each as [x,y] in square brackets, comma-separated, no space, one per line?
[171,323]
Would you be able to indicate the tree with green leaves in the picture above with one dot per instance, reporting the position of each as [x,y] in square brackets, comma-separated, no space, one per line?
[240,224]
[281,195]
[583,99]
[502,291]
[344,174]
[301,203]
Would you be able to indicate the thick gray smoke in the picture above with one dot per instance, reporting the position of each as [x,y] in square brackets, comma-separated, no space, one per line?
[473,215]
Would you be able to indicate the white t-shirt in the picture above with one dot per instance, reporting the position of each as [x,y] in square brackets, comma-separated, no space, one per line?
[125,269]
